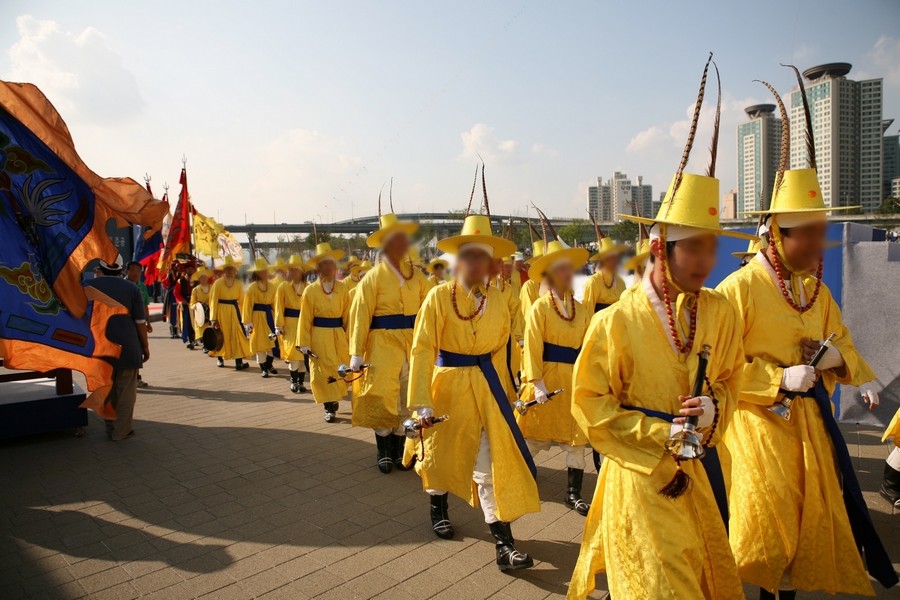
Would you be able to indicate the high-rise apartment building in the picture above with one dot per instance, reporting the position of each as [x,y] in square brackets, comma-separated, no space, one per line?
[730,207]
[848,132]
[618,196]
[758,150]
[890,160]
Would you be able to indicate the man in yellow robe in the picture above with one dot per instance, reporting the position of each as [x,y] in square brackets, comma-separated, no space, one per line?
[458,360]
[200,295]
[554,332]
[382,316]
[797,512]
[322,334]
[357,271]
[516,340]
[604,287]
[657,524]
[890,484]
[531,289]
[437,270]
[259,316]
[287,317]
[225,298]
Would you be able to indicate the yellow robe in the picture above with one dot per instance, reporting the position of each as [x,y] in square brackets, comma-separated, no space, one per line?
[650,546]
[552,421]
[259,337]
[376,393]
[350,283]
[328,343]
[531,289]
[235,343]
[597,292]
[287,297]
[893,430]
[201,296]
[463,393]
[517,333]
[787,515]
[434,281]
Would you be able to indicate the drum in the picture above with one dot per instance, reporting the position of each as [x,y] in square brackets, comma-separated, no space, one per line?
[201,315]
[213,339]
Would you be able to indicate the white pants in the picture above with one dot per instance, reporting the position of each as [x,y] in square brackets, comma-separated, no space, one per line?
[482,476]
[574,454]
[402,410]
[296,365]
[261,357]
[893,459]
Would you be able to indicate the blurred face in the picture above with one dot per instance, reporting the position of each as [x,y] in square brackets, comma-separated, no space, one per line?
[519,265]
[610,263]
[507,270]
[327,269]
[691,261]
[803,246]
[473,266]
[204,279]
[439,270]
[496,267]
[295,275]
[561,276]
[397,247]
[133,273]
[229,272]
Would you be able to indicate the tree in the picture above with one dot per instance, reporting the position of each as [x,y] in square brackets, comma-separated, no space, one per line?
[311,241]
[579,231]
[624,231]
[889,206]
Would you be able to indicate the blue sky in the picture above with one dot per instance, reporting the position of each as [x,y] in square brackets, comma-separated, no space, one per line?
[291,111]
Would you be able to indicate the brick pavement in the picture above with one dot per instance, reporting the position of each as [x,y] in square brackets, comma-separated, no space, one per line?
[235,488]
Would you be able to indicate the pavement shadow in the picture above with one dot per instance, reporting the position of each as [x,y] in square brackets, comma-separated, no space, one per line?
[223,395]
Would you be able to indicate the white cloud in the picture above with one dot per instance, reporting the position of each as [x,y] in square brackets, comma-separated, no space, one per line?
[482,140]
[645,139]
[885,55]
[80,73]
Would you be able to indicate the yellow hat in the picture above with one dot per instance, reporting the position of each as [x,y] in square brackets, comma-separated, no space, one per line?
[607,247]
[350,262]
[476,229]
[259,265]
[641,254]
[692,201]
[296,262]
[435,262]
[389,224]
[324,251]
[280,264]
[229,261]
[201,271]
[557,250]
[360,267]
[752,249]
[414,257]
[537,250]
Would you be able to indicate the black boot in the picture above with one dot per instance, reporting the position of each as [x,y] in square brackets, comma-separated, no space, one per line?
[269,366]
[399,443]
[264,370]
[890,485]
[573,492]
[295,382]
[301,376]
[383,445]
[331,409]
[782,595]
[220,362]
[508,558]
[240,365]
[440,519]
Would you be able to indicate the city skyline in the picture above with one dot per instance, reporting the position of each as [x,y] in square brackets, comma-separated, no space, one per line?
[294,110]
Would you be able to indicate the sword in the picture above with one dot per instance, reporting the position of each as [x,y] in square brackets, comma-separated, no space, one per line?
[522,407]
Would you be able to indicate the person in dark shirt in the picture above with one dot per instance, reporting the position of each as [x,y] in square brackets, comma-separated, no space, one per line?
[129,331]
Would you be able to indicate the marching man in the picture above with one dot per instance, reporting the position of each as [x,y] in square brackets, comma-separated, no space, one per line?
[657,524]
[554,332]
[322,335]
[382,316]
[531,289]
[287,317]
[200,295]
[259,315]
[457,363]
[437,270]
[799,520]
[604,287]
[225,299]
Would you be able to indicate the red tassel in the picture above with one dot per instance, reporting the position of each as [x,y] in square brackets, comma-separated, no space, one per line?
[678,486]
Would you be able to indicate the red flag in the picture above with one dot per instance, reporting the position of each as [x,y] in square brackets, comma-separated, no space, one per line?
[179,238]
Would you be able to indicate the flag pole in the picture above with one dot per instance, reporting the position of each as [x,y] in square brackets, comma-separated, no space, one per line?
[190,207]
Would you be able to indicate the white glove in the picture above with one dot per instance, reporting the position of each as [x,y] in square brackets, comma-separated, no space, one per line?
[798,378]
[356,363]
[521,343]
[425,412]
[709,412]
[869,395]
[305,350]
[832,359]
[248,328]
[541,394]
[279,331]
[677,427]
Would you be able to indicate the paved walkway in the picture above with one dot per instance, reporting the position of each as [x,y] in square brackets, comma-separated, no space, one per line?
[235,488]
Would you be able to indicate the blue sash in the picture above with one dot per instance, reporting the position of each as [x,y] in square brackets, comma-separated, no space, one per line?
[393,322]
[332,322]
[878,564]
[483,362]
[560,354]
[710,462]
[237,309]
[270,321]
[291,313]
[600,306]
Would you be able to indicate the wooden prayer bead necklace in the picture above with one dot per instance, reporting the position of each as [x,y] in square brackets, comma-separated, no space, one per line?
[412,269]
[568,319]
[327,291]
[456,308]
[685,347]
[776,265]
[609,285]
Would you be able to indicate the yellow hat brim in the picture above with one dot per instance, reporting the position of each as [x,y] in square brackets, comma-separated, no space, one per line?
[779,211]
[377,239]
[743,255]
[578,256]
[501,246]
[255,269]
[616,249]
[713,230]
[335,255]
[635,261]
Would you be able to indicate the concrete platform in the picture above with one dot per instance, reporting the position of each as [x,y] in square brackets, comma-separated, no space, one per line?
[235,488]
